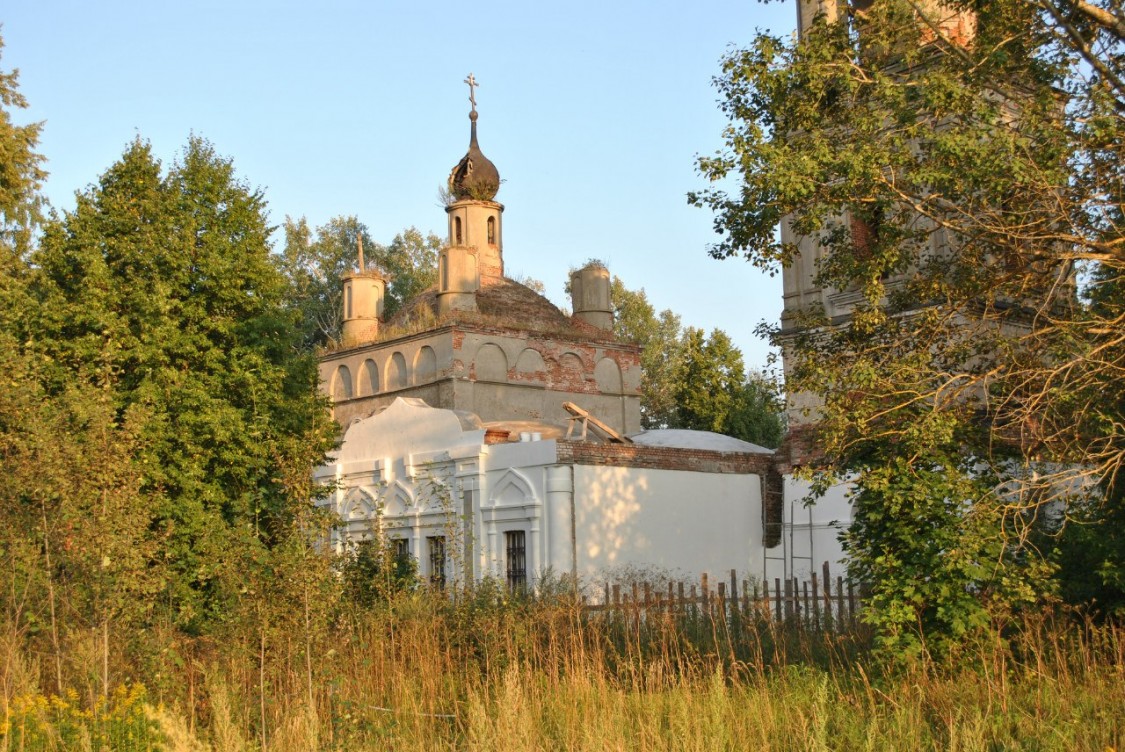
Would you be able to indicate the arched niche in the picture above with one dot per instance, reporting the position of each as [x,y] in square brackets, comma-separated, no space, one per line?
[530,363]
[569,374]
[513,489]
[570,362]
[357,514]
[425,365]
[607,375]
[435,495]
[342,384]
[368,378]
[397,374]
[490,363]
[397,500]
[358,506]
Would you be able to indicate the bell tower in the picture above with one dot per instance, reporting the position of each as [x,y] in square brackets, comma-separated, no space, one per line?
[474,217]
[939,23]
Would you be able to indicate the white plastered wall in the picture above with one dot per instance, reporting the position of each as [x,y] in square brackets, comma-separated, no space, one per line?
[672,522]
[810,534]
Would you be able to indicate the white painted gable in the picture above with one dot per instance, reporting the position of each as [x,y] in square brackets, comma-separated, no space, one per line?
[408,427]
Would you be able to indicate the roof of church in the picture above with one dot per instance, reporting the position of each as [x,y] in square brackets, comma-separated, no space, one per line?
[504,303]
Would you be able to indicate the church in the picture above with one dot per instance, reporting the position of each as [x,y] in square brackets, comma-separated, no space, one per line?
[487,433]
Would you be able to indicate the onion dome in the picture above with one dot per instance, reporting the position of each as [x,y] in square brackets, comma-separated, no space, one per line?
[474,177]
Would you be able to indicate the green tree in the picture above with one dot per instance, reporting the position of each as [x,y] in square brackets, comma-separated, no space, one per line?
[709,380]
[658,336]
[75,544]
[955,183]
[160,289]
[21,172]
[76,559]
[757,414]
[411,261]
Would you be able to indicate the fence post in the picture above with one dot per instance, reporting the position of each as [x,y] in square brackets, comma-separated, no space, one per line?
[827,593]
[805,603]
[815,603]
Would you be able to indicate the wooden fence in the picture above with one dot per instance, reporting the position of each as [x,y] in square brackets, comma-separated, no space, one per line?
[819,601]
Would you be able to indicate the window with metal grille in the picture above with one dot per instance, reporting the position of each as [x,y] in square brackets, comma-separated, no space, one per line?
[437,560]
[516,546]
[401,549]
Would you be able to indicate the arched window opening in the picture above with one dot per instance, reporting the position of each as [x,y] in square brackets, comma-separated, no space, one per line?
[492,230]
[348,300]
[457,231]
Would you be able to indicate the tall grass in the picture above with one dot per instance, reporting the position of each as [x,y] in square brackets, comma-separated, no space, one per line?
[488,672]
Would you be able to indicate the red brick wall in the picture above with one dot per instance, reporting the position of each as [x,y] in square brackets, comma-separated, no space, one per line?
[663,458]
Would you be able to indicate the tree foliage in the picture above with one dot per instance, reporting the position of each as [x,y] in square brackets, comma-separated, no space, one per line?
[21,171]
[690,380]
[636,321]
[411,261]
[315,263]
[76,551]
[956,185]
[159,291]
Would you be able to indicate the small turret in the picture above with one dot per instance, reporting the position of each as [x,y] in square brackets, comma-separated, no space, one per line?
[363,303]
[458,279]
[590,296]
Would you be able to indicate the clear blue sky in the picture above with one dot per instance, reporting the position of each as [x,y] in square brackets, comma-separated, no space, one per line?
[592,111]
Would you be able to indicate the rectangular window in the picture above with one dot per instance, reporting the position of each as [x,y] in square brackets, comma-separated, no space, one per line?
[516,546]
[401,548]
[437,560]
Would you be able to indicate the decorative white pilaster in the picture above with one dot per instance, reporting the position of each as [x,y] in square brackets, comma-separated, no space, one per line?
[560,519]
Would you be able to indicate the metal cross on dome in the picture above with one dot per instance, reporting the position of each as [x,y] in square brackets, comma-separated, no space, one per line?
[472,82]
